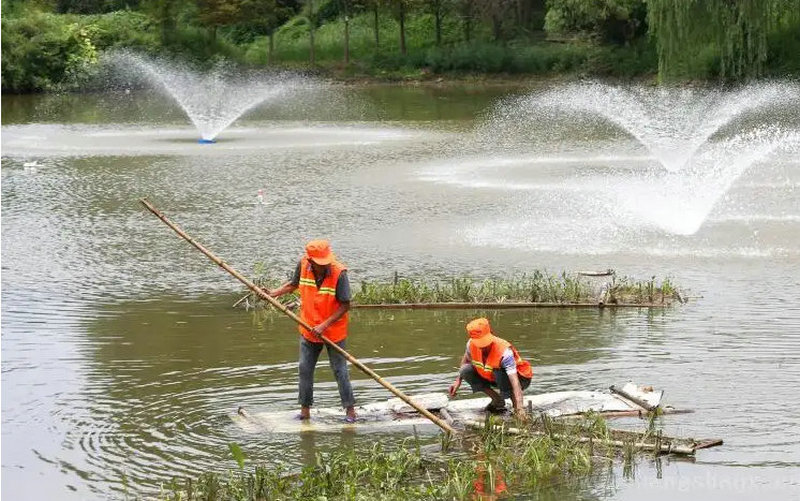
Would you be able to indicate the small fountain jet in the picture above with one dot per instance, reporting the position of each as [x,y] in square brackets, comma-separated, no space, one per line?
[213,100]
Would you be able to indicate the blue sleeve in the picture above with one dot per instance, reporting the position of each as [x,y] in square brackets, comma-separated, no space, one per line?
[343,294]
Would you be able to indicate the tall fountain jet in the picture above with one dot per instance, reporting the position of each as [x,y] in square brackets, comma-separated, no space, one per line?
[212,100]
[672,123]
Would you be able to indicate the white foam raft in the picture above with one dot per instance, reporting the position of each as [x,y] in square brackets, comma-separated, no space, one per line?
[630,400]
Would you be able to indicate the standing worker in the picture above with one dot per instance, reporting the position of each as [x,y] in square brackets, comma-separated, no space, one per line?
[324,302]
[491,362]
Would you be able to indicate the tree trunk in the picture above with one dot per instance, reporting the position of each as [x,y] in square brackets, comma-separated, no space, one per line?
[437,15]
[467,20]
[497,27]
[402,27]
[377,26]
[346,38]
[311,54]
[271,47]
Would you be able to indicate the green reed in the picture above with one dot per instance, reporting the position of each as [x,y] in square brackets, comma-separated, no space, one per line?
[408,470]
[536,287]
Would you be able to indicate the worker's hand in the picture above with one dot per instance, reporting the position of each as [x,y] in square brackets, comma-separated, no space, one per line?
[268,292]
[318,330]
[454,387]
[521,416]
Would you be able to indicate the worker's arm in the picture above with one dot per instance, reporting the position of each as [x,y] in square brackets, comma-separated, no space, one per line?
[457,383]
[516,396]
[336,315]
[286,288]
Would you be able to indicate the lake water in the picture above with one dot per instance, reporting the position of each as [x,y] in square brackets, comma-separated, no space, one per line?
[123,361]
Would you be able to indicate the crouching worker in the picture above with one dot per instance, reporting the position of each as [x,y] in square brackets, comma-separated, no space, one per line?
[491,362]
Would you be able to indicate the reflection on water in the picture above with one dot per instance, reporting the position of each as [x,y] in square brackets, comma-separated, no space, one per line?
[122,358]
[169,373]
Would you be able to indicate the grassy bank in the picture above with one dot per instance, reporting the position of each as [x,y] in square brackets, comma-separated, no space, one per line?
[487,461]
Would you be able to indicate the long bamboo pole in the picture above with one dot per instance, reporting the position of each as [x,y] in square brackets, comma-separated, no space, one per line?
[274,302]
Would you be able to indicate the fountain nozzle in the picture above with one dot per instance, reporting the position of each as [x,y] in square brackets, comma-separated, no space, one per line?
[205,141]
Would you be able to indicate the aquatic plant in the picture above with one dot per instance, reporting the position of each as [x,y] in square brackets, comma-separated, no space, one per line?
[488,459]
[536,287]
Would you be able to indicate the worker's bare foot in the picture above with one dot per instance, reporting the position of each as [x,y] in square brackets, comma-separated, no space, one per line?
[305,413]
[350,415]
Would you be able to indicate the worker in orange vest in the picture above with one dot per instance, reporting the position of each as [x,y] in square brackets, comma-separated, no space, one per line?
[324,301]
[491,362]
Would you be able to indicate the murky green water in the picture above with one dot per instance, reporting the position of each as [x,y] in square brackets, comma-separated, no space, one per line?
[122,360]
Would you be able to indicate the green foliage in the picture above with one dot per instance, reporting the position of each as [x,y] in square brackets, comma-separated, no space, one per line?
[45,51]
[611,20]
[536,287]
[737,34]
[237,453]
[688,39]
[547,451]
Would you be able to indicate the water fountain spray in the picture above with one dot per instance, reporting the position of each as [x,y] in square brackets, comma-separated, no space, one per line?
[212,100]
[671,123]
[598,168]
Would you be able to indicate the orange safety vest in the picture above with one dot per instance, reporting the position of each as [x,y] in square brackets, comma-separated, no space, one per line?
[319,303]
[485,368]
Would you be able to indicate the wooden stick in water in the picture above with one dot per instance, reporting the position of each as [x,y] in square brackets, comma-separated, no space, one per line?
[661,448]
[237,303]
[277,304]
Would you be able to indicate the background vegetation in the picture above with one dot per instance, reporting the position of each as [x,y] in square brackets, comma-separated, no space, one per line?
[52,44]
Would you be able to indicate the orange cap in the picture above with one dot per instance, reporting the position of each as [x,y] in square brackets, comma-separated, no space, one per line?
[480,333]
[319,251]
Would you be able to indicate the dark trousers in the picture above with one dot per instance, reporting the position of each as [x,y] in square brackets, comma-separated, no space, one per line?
[501,382]
[309,354]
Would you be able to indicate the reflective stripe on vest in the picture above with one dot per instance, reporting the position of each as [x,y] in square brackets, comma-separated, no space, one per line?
[486,367]
[319,303]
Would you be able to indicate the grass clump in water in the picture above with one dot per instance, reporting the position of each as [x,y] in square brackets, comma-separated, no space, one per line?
[537,287]
[486,461]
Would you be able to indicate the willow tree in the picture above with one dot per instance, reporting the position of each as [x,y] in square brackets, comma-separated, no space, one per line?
[736,30]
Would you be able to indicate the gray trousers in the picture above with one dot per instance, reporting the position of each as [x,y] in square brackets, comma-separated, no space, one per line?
[309,354]
[501,382]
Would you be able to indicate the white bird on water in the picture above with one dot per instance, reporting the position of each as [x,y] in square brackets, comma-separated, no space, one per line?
[260,198]
[30,167]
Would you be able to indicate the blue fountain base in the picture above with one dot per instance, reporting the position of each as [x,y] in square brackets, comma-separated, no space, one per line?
[205,141]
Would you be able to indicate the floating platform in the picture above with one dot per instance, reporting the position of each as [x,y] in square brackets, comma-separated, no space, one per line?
[630,400]
[510,305]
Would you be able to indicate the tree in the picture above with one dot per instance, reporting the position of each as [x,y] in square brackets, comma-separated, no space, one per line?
[345,10]
[265,17]
[736,30]
[311,15]
[215,13]
[497,11]
[163,13]
[438,8]
[610,20]
[467,13]
[401,8]
[376,4]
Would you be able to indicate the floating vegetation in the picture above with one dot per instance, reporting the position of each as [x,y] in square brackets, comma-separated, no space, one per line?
[538,287]
[488,461]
